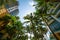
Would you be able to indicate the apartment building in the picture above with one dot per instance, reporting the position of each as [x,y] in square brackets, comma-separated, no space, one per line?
[54,20]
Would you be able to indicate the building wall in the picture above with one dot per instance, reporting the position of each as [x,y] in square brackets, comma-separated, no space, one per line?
[8,8]
[54,22]
[3,11]
[55,26]
[12,8]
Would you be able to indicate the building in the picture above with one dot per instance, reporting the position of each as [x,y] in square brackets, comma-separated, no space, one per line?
[9,8]
[12,7]
[3,11]
[54,20]
[52,0]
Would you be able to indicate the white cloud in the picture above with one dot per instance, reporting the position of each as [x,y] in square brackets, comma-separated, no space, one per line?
[31,4]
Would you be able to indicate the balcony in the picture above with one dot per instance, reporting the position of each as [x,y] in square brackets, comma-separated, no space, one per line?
[55,25]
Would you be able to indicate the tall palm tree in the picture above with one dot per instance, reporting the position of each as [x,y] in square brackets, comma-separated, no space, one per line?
[37,31]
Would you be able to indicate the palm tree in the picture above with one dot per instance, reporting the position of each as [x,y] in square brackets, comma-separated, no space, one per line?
[37,31]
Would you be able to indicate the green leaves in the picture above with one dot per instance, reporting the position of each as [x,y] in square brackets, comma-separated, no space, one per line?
[13,26]
[1,2]
[35,25]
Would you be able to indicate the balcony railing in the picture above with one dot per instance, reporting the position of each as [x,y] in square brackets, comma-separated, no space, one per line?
[55,26]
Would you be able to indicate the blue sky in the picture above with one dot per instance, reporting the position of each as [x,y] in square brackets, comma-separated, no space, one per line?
[25,7]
